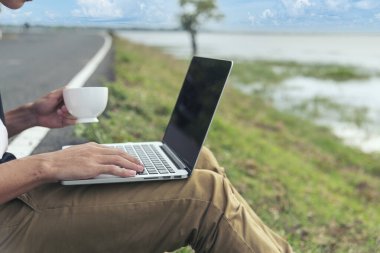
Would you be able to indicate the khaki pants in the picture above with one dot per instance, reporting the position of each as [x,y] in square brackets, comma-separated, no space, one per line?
[204,211]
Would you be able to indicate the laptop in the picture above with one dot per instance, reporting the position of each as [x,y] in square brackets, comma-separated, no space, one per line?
[176,155]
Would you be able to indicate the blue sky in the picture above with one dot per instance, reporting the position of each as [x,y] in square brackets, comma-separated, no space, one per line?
[254,15]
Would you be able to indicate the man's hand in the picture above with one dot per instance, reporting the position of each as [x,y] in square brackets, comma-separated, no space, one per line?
[88,161]
[77,162]
[51,112]
[48,111]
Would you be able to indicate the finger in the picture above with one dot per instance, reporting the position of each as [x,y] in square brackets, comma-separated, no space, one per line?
[57,97]
[64,109]
[57,93]
[114,151]
[119,161]
[57,100]
[102,151]
[129,157]
[117,171]
[69,121]
[65,113]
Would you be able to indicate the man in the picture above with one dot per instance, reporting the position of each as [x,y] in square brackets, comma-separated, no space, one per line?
[37,214]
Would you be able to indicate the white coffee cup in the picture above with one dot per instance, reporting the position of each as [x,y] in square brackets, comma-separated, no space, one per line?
[86,103]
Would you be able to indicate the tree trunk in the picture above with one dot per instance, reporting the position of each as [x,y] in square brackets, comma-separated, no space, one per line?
[194,42]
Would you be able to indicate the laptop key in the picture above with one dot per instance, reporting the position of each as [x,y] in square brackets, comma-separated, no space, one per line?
[170,170]
[152,159]
[143,173]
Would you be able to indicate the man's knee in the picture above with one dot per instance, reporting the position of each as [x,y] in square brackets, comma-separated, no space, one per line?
[210,186]
[207,161]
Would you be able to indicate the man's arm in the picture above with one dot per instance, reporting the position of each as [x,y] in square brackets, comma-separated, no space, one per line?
[20,176]
[48,111]
[77,162]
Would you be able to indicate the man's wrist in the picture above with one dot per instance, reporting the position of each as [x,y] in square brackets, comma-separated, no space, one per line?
[20,119]
[43,171]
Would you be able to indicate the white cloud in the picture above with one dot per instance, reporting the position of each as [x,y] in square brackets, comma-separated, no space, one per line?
[268,13]
[130,12]
[153,12]
[377,16]
[302,3]
[51,15]
[28,13]
[365,4]
[15,16]
[98,9]
[296,7]
[338,4]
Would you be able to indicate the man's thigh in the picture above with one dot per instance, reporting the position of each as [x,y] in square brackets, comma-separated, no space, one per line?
[106,218]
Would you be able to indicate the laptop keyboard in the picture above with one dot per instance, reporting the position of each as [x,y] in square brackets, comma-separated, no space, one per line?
[154,162]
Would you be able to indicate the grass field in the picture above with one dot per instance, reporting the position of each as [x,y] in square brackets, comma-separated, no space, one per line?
[302,181]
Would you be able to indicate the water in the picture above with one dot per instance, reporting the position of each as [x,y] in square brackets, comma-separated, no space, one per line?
[350,95]
[358,50]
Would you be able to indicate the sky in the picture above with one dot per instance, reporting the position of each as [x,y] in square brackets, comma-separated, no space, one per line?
[247,15]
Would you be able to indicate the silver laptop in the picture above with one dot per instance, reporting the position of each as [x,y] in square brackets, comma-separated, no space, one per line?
[176,155]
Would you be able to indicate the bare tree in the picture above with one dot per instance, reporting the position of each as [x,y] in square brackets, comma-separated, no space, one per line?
[195,13]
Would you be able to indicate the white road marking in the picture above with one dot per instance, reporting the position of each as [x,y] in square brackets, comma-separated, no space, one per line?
[24,143]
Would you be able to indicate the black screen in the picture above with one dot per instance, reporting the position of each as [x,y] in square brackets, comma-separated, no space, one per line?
[195,107]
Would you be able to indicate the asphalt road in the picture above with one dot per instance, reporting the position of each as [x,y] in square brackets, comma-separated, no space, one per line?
[34,63]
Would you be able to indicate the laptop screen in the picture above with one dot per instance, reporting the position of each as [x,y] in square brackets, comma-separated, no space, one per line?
[195,107]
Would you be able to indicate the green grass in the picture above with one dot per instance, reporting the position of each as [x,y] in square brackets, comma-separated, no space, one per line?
[302,181]
[274,72]
[324,107]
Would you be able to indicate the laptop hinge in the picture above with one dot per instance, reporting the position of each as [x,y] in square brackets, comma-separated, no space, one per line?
[174,158]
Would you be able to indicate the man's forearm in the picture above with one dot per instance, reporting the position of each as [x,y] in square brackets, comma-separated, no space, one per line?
[20,176]
[20,119]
